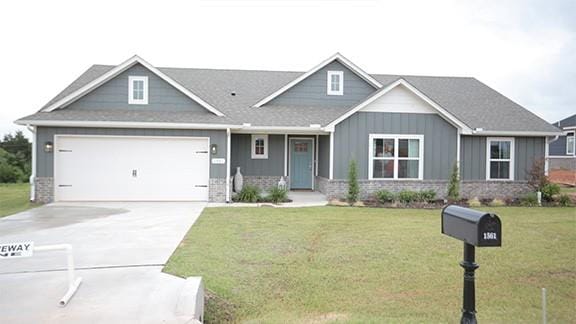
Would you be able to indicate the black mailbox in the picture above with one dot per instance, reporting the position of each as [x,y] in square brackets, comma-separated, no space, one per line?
[472,226]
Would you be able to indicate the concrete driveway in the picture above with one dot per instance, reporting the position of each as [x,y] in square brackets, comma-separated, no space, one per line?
[119,249]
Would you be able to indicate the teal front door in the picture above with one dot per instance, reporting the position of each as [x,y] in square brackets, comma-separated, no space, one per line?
[301,163]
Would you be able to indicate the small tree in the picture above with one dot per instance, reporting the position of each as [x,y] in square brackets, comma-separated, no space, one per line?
[454,185]
[353,188]
[536,177]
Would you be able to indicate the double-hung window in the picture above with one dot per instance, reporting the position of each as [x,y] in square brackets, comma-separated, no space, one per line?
[335,83]
[570,144]
[138,90]
[500,158]
[396,156]
[259,146]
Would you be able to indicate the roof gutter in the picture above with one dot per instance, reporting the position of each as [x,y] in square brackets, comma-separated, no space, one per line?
[514,133]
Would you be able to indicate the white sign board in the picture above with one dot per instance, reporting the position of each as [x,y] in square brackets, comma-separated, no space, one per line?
[16,250]
[218,161]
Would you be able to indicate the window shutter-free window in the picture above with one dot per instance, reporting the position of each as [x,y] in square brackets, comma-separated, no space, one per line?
[500,158]
[138,90]
[396,156]
[335,83]
[259,146]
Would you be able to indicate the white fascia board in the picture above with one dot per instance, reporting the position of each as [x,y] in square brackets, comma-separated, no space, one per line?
[112,124]
[515,133]
[367,77]
[121,68]
[464,129]
[280,130]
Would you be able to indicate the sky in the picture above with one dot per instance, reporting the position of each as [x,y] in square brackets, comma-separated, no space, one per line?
[525,49]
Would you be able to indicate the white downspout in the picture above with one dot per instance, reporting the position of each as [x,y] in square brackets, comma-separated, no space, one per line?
[458,139]
[331,155]
[285,155]
[228,145]
[316,155]
[32,179]
[547,153]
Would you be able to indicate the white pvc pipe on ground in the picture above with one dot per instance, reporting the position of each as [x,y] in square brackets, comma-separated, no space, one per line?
[73,282]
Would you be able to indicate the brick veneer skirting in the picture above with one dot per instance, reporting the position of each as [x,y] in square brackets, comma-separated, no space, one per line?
[264,182]
[335,189]
[217,190]
[562,163]
[44,190]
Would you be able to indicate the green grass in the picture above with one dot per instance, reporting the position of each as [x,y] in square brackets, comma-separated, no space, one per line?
[14,197]
[365,265]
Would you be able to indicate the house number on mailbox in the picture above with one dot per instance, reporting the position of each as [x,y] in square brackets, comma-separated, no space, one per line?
[490,236]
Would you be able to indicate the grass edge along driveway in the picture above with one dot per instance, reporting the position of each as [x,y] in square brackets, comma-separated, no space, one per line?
[368,265]
[14,198]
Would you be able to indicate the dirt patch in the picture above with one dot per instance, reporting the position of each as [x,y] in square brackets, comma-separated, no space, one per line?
[563,177]
[218,310]
[327,318]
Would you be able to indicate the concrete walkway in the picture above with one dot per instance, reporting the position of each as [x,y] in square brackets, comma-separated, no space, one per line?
[120,249]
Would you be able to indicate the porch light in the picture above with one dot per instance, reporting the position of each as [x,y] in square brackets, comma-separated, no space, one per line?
[48,147]
[214,149]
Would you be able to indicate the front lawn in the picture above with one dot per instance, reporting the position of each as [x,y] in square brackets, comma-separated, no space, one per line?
[14,197]
[368,265]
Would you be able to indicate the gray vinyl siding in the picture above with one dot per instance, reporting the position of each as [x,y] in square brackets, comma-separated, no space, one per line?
[241,156]
[473,156]
[45,161]
[312,90]
[114,95]
[324,156]
[558,147]
[351,140]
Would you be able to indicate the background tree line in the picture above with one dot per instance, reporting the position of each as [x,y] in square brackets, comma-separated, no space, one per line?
[15,158]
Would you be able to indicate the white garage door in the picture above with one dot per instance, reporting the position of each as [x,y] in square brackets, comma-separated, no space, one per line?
[122,168]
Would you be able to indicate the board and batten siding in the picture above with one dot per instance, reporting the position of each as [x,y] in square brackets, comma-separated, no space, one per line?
[114,95]
[351,141]
[473,156]
[45,161]
[312,91]
[324,156]
[241,156]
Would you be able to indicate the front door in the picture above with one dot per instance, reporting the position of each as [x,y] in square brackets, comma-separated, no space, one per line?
[301,163]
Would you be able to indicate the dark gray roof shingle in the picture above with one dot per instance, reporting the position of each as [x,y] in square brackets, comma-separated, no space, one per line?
[471,101]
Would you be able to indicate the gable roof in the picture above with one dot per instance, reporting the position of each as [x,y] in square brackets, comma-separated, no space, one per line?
[467,99]
[336,57]
[64,99]
[443,112]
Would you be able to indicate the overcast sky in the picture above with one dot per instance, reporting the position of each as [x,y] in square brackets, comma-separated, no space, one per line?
[524,49]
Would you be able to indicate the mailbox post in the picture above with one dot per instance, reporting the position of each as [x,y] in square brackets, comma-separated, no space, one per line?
[475,228]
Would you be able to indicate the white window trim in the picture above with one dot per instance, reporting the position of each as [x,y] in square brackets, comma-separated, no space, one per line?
[131,100]
[329,90]
[488,159]
[396,137]
[573,144]
[253,145]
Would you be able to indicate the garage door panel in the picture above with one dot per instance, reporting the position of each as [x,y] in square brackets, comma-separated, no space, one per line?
[131,168]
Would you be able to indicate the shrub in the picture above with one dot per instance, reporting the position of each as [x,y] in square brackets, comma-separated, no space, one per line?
[427,195]
[249,194]
[454,185]
[407,196]
[497,203]
[564,200]
[474,202]
[385,196]
[536,177]
[10,173]
[277,195]
[549,190]
[529,200]
[353,188]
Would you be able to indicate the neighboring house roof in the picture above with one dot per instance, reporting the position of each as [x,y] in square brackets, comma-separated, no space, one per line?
[468,100]
[567,122]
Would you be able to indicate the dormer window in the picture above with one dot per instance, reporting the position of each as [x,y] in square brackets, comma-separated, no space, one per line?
[138,90]
[335,84]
